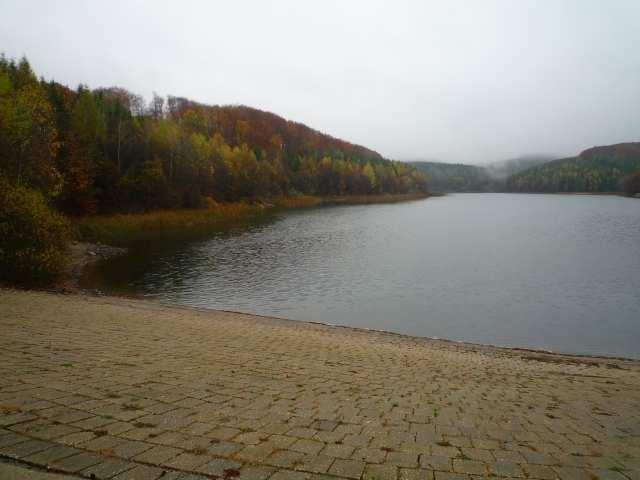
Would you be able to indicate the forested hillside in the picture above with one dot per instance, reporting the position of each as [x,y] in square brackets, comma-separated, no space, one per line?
[598,169]
[455,177]
[105,150]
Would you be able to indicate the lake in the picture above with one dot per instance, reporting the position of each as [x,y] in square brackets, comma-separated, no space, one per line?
[556,272]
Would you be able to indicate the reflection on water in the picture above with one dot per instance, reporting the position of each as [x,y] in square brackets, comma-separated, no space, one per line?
[543,271]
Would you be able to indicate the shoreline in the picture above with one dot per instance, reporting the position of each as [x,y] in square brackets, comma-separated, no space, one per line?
[474,346]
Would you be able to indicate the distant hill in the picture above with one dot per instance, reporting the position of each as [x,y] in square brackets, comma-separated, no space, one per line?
[459,177]
[455,177]
[504,168]
[597,169]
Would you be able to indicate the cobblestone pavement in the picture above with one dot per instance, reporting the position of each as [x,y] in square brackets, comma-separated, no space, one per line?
[111,388]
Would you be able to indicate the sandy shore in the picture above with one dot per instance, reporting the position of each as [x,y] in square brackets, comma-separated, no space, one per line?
[119,388]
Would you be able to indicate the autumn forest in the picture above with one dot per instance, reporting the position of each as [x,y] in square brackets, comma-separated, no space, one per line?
[106,150]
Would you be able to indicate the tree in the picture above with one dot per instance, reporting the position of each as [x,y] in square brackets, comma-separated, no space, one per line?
[88,133]
[631,184]
[28,134]
[33,237]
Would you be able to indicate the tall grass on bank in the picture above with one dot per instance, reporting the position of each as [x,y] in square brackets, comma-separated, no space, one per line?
[123,229]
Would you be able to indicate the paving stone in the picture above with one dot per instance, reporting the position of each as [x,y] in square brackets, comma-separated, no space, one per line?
[369,455]
[224,449]
[506,469]
[543,472]
[380,472]
[157,454]
[469,467]
[315,463]
[285,459]
[219,466]
[338,451]
[187,461]
[141,472]
[415,474]
[289,475]
[49,456]
[108,468]
[254,453]
[401,459]
[255,473]
[130,448]
[78,462]
[572,473]
[307,446]
[10,438]
[347,468]
[450,476]
[24,449]
[434,462]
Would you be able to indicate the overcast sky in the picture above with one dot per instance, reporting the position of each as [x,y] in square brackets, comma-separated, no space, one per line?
[464,81]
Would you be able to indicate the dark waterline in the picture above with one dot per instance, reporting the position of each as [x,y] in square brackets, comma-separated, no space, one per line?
[541,271]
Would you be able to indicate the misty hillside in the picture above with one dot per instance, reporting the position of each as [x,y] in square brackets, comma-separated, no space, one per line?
[458,177]
[597,169]
[504,168]
[454,177]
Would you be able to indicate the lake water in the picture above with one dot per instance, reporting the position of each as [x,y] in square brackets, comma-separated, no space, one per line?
[557,272]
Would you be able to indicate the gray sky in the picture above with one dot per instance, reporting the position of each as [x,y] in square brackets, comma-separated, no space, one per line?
[465,81]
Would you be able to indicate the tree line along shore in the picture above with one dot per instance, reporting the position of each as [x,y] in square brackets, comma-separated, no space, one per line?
[104,164]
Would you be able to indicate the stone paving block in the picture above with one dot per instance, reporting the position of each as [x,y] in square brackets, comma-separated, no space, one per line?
[78,462]
[220,467]
[187,461]
[380,472]
[415,474]
[157,454]
[224,449]
[369,455]
[451,476]
[347,468]
[307,446]
[573,473]
[543,472]
[24,449]
[315,463]
[77,438]
[141,472]
[469,467]
[254,453]
[107,468]
[434,462]
[10,438]
[49,456]
[285,459]
[506,469]
[338,451]
[250,472]
[508,456]
[289,475]
[130,448]
[401,459]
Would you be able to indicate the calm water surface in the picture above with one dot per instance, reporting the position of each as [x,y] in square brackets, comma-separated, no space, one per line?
[544,271]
